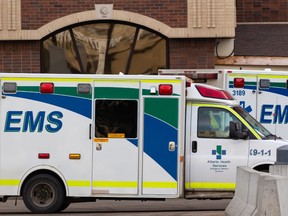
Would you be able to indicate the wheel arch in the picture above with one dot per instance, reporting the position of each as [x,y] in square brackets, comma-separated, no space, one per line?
[262,167]
[43,170]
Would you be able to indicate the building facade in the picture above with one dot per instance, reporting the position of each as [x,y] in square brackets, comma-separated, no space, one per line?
[112,36]
[140,37]
[261,36]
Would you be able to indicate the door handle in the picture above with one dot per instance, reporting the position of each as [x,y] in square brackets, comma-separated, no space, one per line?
[172,146]
[194,146]
[98,146]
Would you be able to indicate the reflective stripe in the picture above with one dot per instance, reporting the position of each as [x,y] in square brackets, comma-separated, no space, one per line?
[46,79]
[77,183]
[160,184]
[246,124]
[109,184]
[210,185]
[254,75]
[162,81]
[241,75]
[9,182]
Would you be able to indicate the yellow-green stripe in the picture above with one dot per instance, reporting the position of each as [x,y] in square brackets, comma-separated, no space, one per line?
[210,185]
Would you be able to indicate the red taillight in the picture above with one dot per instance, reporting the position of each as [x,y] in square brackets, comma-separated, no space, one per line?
[165,89]
[43,155]
[238,82]
[214,93]
[47,88]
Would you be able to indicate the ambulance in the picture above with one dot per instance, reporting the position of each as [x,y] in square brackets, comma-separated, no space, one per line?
[262,93]
[78,138]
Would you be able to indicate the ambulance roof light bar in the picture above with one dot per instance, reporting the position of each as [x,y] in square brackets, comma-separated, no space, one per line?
[214,93]
[192,74]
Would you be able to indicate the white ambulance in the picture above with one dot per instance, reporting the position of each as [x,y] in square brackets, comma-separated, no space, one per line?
[262,93]
[75,138]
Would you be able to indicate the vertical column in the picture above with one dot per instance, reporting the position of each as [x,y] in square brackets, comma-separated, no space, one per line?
[10,15]
[211,14]
[196,13]
[1,14]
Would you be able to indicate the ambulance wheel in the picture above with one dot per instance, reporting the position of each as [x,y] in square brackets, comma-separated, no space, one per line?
[43,194]
[65,205]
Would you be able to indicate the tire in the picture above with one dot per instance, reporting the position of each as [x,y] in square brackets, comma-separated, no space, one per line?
[65,205]
[43,193]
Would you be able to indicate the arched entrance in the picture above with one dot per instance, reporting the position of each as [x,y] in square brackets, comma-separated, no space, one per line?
[104,47]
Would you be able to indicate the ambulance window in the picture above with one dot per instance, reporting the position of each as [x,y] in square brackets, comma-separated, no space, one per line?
[214,122]
[116,118]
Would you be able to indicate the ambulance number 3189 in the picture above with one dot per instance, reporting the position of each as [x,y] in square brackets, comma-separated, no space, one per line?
[238,92]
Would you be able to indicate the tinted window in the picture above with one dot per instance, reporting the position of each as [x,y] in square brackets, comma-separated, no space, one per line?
[104,48]
[116,118]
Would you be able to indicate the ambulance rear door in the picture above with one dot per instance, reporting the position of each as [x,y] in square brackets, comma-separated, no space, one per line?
[244,88]
[163,136]
[272,110]
[115,137]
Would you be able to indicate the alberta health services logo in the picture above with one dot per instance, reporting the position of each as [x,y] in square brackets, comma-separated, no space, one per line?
[219,164]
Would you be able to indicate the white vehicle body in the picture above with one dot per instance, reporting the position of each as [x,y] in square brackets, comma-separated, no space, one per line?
[67,138]
[264,93]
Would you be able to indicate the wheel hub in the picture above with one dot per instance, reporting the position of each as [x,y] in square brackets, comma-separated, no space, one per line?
[43,194]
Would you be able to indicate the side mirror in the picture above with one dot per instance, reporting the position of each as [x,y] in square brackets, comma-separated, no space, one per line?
[236,131]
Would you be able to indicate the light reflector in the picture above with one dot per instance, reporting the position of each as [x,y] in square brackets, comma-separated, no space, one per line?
[43,155]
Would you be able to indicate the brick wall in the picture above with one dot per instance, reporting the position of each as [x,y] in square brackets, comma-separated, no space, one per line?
[19,56]
[257,38]
[24,56]
[261,40]
[192,53]
[36,13]
[262,10]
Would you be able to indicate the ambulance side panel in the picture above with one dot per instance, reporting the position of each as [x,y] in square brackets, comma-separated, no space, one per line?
[65,133]
[39,132]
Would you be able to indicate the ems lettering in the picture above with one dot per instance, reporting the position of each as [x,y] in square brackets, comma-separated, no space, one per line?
[274,114]
[29,121]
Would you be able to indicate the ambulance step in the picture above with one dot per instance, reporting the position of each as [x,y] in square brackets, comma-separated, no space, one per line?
[209,194]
